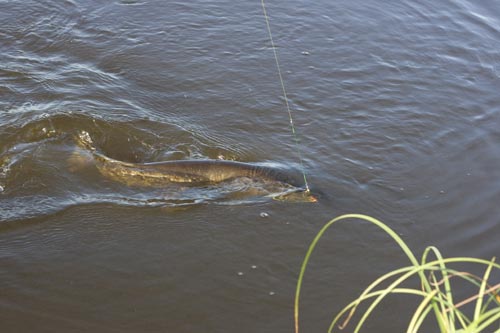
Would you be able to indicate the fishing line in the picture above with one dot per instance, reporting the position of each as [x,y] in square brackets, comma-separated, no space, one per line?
[285,96]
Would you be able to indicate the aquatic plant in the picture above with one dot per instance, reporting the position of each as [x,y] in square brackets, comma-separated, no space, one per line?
[435,290]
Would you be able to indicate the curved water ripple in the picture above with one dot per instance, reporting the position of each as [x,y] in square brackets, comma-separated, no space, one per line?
[40,173]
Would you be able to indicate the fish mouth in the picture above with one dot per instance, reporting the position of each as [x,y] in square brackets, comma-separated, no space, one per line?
[296,195]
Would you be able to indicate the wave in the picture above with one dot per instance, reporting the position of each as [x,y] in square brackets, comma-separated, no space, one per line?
[42,170]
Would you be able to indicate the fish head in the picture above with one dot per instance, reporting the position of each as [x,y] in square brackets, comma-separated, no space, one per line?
[301,195]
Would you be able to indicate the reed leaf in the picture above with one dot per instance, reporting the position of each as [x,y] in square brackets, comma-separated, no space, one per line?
[433,297]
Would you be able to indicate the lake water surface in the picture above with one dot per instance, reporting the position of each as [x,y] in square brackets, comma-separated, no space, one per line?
[396,106]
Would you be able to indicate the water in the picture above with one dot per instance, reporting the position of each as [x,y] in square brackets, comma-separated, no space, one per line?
[397,109]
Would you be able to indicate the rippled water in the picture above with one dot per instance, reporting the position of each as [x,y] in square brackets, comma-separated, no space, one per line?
[396,106]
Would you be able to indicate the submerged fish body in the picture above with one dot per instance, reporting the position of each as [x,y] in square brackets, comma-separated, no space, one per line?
[193,172]
[185,171]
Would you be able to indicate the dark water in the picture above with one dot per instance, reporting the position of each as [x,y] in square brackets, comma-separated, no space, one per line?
[397,108]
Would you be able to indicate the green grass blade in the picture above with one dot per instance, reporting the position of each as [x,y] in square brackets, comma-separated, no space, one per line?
[422,317]
[367,296]
[379,281]
[398,240]
[446,312]
[416,270]
[451,318]
[493,296]
[422,311]
[486,319]
[479,303]
[410,271]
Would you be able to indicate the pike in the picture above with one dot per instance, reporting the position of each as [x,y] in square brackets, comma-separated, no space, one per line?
[195,172]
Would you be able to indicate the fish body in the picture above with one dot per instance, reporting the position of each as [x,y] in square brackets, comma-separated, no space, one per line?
[191,172]
[186,171]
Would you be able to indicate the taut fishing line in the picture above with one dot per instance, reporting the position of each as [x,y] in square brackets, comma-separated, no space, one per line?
[285,96]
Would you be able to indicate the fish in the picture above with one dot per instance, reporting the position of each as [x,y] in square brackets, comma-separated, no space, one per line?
[192,172]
